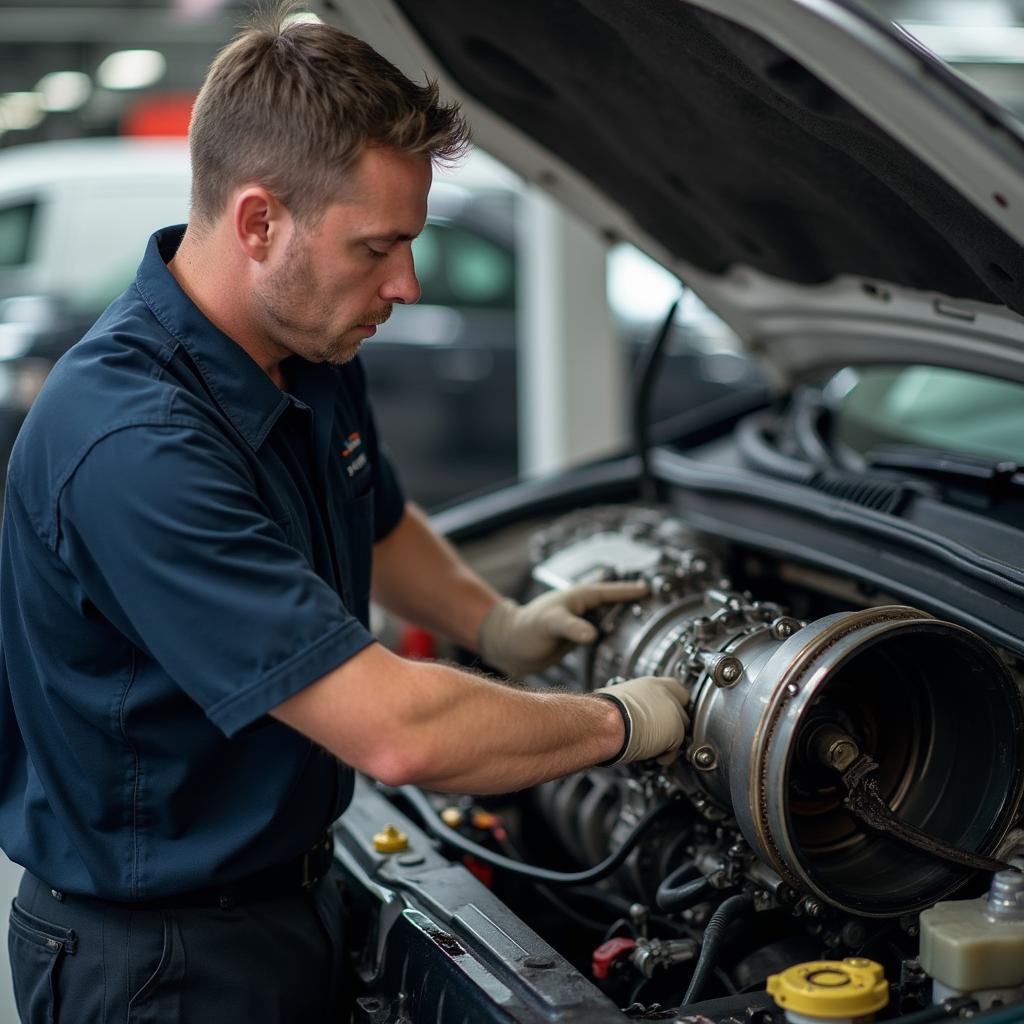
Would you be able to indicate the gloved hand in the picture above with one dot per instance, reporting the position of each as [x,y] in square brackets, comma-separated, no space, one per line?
[656,722]
[520,639]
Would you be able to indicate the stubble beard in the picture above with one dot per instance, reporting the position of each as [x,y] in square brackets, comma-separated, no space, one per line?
[341,350]
[297,323]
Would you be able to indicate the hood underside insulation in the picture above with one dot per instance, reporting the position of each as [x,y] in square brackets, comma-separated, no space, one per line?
[719,145]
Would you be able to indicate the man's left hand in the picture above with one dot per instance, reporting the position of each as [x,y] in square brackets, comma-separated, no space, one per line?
[522,639]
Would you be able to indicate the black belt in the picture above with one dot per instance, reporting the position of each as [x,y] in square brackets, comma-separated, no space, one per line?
[298,875]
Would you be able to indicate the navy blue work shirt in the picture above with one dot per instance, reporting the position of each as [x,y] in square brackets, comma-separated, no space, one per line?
[184,547]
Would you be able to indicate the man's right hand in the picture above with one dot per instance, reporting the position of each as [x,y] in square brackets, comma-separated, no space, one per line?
[653,708]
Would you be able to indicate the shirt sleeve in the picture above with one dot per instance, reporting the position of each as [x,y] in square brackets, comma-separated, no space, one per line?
[164,530]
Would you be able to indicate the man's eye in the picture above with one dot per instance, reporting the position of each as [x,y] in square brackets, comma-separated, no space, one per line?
[376,254]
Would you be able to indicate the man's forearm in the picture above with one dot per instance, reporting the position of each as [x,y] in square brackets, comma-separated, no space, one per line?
[528,736]
[418,576]
[439,727]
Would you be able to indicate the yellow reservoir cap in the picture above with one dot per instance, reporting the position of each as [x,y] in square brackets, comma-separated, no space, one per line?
[853,987]
[390,840]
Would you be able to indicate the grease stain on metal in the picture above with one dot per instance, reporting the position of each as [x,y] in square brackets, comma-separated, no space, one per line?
[447,942]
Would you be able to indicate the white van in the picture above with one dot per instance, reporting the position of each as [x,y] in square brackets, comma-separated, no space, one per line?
[75,216]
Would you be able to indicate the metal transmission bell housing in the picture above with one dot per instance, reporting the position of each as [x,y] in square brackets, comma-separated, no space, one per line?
[929,701]
[937,710]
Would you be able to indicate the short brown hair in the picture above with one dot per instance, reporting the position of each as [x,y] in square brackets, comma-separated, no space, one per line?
[291,104]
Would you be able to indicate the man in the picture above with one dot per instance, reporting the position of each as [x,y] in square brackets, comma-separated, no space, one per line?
[186,567]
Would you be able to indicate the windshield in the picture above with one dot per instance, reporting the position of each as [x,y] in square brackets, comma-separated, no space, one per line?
[929,406]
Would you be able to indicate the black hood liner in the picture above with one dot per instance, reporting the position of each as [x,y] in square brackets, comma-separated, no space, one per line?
[719,145]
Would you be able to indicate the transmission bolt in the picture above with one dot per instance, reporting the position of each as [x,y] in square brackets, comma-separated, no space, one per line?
[704,758]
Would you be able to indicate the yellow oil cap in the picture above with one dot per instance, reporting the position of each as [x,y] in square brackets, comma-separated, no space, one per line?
[831,989]
[390,840]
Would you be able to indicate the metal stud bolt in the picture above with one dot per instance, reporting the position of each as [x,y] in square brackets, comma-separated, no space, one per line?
[784,627]
[704,758]
[724,669]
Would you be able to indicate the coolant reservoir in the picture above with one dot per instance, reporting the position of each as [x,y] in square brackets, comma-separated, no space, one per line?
[830,991]
[976,947]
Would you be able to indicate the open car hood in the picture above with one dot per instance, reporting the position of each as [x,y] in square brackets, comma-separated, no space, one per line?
[830,188]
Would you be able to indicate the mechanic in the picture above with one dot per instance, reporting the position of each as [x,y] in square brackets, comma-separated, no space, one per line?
[197,512]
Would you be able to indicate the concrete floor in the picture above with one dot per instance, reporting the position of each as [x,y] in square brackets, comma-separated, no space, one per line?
[10,875]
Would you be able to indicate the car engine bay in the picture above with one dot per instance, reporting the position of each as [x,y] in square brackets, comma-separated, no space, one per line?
[851,763]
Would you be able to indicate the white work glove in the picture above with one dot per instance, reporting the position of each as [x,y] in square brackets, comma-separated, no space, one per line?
[653,708]
[520,639]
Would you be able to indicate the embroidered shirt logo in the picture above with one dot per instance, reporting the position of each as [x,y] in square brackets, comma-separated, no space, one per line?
[353,444]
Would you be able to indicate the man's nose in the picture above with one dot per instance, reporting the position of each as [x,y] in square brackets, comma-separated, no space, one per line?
[402,285]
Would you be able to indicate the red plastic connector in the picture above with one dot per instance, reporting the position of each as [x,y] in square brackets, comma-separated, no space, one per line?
[607,953]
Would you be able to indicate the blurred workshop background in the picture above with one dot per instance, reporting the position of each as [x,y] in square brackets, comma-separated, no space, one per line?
[94,104]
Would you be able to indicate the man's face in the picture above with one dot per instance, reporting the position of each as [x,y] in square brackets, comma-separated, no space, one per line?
[323,296]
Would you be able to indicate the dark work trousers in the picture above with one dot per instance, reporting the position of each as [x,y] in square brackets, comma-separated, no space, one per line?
[266,962]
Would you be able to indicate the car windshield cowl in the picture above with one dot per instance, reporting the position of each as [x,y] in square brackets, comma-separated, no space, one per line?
[996,476]
[798,443]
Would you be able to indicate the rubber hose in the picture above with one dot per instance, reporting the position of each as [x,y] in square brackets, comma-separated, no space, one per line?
[673,898]
[683,873]
[440,830]
[729,911]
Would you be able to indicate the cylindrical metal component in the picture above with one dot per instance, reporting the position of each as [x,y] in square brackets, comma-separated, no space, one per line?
[933,705]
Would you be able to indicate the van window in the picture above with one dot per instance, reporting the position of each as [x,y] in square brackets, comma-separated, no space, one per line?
[16,233]
[462,268]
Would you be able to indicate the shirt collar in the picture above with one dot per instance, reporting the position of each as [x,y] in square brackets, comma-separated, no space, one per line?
[247,396]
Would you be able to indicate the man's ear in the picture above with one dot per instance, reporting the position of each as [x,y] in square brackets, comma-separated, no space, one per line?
[261,223]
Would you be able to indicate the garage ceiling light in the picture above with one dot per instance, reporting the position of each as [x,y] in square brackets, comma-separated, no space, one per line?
[131,69]
[20,110]
[64,90]
[971,44]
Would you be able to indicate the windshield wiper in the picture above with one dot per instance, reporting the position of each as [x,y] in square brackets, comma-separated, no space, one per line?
[994,476]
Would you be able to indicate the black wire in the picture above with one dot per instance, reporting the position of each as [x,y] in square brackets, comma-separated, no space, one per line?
[618,925]
[732,908]
[608,901]
[646,375]
[574,915]
[634,995]
[725,981]
[571,912]
[621,905]
[438,828]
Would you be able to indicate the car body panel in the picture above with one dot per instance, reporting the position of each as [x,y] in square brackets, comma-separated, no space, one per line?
[446,948]
[960,145]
